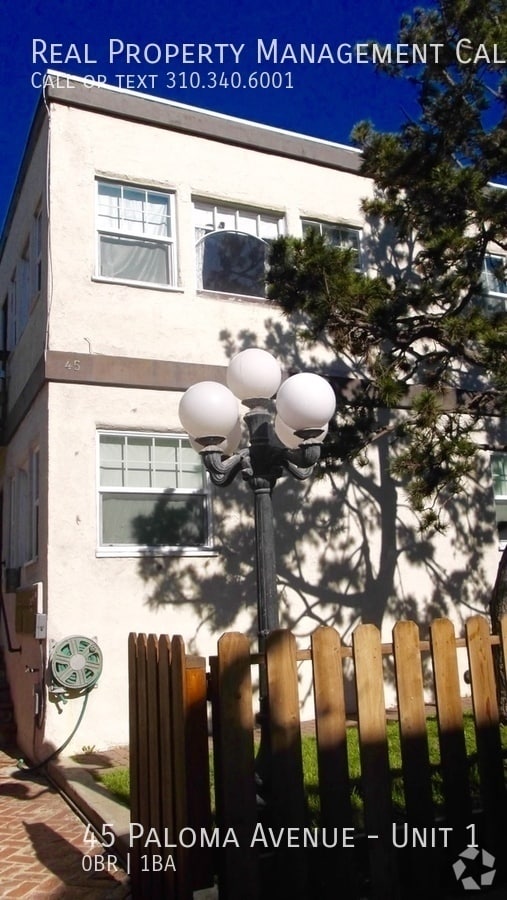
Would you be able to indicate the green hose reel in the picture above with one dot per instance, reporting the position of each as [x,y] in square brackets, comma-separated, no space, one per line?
[76,663]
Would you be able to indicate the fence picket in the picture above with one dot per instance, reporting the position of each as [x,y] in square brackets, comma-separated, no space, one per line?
[153,751]
[286,799]
[412,723]
[197,764]
[180,775]
[235,760]
[331,733]
[375,772]
[455,782]
[486,717]
[415,753]
[143,758]
[136,776]
[166,790]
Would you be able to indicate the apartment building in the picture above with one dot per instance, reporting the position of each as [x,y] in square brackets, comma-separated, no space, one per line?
[132,265]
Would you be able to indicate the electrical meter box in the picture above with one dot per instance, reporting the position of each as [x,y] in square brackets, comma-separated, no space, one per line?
[28,606]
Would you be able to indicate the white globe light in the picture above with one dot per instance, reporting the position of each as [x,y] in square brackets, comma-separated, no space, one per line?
[232,441]
[286,435]
[228,446]
[208,409]
[292,440]
[305,400]
[254,374]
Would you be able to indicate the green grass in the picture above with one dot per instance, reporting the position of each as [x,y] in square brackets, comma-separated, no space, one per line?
[117,780]
[395,762]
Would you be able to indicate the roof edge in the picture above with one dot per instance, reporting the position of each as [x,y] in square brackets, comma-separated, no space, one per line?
[168,114]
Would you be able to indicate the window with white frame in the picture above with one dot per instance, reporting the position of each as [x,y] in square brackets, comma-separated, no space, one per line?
[231,247]
[499,477]
[136,234]
[153,493]
[24,512]
[494,277]
[343,236]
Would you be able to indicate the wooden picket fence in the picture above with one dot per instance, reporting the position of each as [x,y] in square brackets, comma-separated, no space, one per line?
[186,838]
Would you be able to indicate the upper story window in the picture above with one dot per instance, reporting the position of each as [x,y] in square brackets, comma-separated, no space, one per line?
[136,234]
[26,283]
[495,282]
[153,495]
[499,477]
[24,512]
[342,236]
[231,245]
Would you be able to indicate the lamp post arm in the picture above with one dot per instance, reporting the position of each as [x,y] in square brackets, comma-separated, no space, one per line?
[301,462]
[223,471]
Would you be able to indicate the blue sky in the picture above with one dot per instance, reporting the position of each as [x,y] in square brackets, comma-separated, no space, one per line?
[323,99]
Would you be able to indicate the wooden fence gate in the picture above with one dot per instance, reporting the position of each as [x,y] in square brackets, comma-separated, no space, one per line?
[185,837]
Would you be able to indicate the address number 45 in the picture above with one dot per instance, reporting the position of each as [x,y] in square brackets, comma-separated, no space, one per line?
[106,839]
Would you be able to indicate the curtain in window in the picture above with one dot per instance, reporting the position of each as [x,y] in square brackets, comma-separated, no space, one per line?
[109,206]
[133,211]
[134,260]
[157,218]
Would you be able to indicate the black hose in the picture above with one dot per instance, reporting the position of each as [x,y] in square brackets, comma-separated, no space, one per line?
[29,770]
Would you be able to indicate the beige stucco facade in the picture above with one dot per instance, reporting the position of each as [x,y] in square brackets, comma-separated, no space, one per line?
[98,354]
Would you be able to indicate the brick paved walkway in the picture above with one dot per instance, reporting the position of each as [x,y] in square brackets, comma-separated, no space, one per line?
[43,852]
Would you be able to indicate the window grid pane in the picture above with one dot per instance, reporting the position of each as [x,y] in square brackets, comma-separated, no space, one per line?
[134,210]
[153,491]
[494,274]
[499,473]
[208,217]
[342,236]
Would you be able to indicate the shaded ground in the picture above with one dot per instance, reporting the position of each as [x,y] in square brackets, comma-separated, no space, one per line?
[44,852]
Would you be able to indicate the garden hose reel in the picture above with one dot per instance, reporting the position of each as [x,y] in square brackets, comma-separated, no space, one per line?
[76,665]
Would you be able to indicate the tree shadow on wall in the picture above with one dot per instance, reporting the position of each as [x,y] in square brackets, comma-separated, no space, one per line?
[348,549]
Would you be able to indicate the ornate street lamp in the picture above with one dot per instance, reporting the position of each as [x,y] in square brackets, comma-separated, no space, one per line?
[286,425]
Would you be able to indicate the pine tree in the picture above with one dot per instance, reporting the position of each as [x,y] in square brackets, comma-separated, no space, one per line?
[419,332]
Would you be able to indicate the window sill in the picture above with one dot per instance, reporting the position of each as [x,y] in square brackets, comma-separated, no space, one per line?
[144,285]
[234,298]
[150,552]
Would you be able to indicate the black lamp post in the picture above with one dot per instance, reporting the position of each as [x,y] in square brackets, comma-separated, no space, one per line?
[285,436]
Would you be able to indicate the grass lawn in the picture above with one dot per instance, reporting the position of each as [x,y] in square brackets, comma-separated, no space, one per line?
[117,780]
